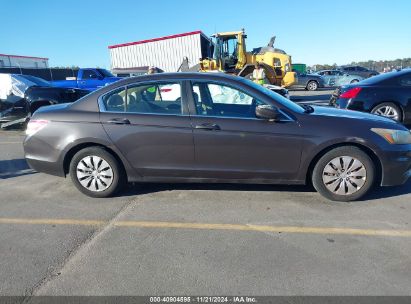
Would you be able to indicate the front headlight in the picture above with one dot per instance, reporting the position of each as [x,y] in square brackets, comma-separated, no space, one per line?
[395,137]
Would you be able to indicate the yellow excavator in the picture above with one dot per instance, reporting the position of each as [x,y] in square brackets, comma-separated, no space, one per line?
[230,56]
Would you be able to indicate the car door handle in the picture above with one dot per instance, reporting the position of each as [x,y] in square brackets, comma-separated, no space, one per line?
[207,126]
[119,121]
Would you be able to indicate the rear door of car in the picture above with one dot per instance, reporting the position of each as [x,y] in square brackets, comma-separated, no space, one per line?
[149,123]
[232,143]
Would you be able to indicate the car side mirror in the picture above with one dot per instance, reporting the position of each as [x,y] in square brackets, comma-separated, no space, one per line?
[267,112]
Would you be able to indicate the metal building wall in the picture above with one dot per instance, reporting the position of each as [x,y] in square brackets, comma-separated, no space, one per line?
[166,54]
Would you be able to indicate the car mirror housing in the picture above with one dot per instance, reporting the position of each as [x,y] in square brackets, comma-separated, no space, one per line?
[267,112]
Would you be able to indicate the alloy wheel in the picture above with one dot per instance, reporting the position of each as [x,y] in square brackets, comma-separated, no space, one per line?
[344,175]
[312,86]
[387,111]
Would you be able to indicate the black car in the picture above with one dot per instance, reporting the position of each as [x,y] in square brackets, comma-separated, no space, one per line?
[310,82]
[29,93]
[211,127]
[387,95]
[358,70]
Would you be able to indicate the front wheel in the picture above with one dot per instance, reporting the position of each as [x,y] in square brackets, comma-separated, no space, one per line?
[96,173]
[344,174]
[312,86]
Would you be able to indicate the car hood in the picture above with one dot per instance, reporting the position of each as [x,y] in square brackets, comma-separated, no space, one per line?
[334,112]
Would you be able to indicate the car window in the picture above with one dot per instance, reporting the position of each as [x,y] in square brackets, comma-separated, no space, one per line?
[222,100]
[89,74]
[361,69]
[227,95]
[157,98]
[115,101]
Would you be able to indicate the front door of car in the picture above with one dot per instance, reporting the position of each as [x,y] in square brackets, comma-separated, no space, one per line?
[150,125]
[90,80]
[232,143]
[333,78]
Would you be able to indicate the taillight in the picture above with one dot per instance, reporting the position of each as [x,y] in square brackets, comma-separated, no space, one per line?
[351,93]
[35,125]
[165,90]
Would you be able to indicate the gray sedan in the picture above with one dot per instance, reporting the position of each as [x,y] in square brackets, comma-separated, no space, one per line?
[214,128]
[310,82]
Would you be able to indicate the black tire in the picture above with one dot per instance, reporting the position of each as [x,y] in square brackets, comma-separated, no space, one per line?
[354,81]
[396,108]
[341,182]
[108,186]
[312,85]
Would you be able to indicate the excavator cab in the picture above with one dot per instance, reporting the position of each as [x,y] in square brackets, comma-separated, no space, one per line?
[230,56]
[225,52]
[229,51]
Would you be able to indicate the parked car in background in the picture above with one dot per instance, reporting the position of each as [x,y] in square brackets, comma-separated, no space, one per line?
[358,70]
[22,95]
[279,90]
[310,82]
[88,79]
[219,129]
[336,78]
[387,95]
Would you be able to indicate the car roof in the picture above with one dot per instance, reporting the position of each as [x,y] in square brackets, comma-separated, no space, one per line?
[381,78]
[179,75]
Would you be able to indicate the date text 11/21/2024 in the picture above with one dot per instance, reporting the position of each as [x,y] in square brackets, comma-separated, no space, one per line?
[203,299]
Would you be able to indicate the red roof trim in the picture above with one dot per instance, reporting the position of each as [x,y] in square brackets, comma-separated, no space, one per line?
[156,39]
[29,57]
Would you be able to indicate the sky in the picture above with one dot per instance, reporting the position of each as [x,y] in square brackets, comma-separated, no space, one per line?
[78,32]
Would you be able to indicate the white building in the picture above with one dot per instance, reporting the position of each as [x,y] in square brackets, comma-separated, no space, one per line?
[7,61]
[166,53]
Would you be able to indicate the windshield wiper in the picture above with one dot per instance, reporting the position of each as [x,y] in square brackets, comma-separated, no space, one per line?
[307,108]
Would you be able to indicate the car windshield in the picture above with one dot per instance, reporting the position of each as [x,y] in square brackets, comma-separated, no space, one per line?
[277,97]
[105,73]
[38,81]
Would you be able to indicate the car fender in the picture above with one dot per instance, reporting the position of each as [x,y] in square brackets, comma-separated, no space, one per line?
[81,143]
[311,154]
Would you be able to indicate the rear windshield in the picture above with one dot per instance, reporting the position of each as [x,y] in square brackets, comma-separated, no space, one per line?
[381,78]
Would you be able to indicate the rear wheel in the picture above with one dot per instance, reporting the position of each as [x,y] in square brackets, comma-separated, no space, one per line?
[96,173]
[344,174]
[388,109]
[312,86]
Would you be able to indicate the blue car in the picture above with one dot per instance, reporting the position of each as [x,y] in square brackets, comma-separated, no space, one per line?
[336,78]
